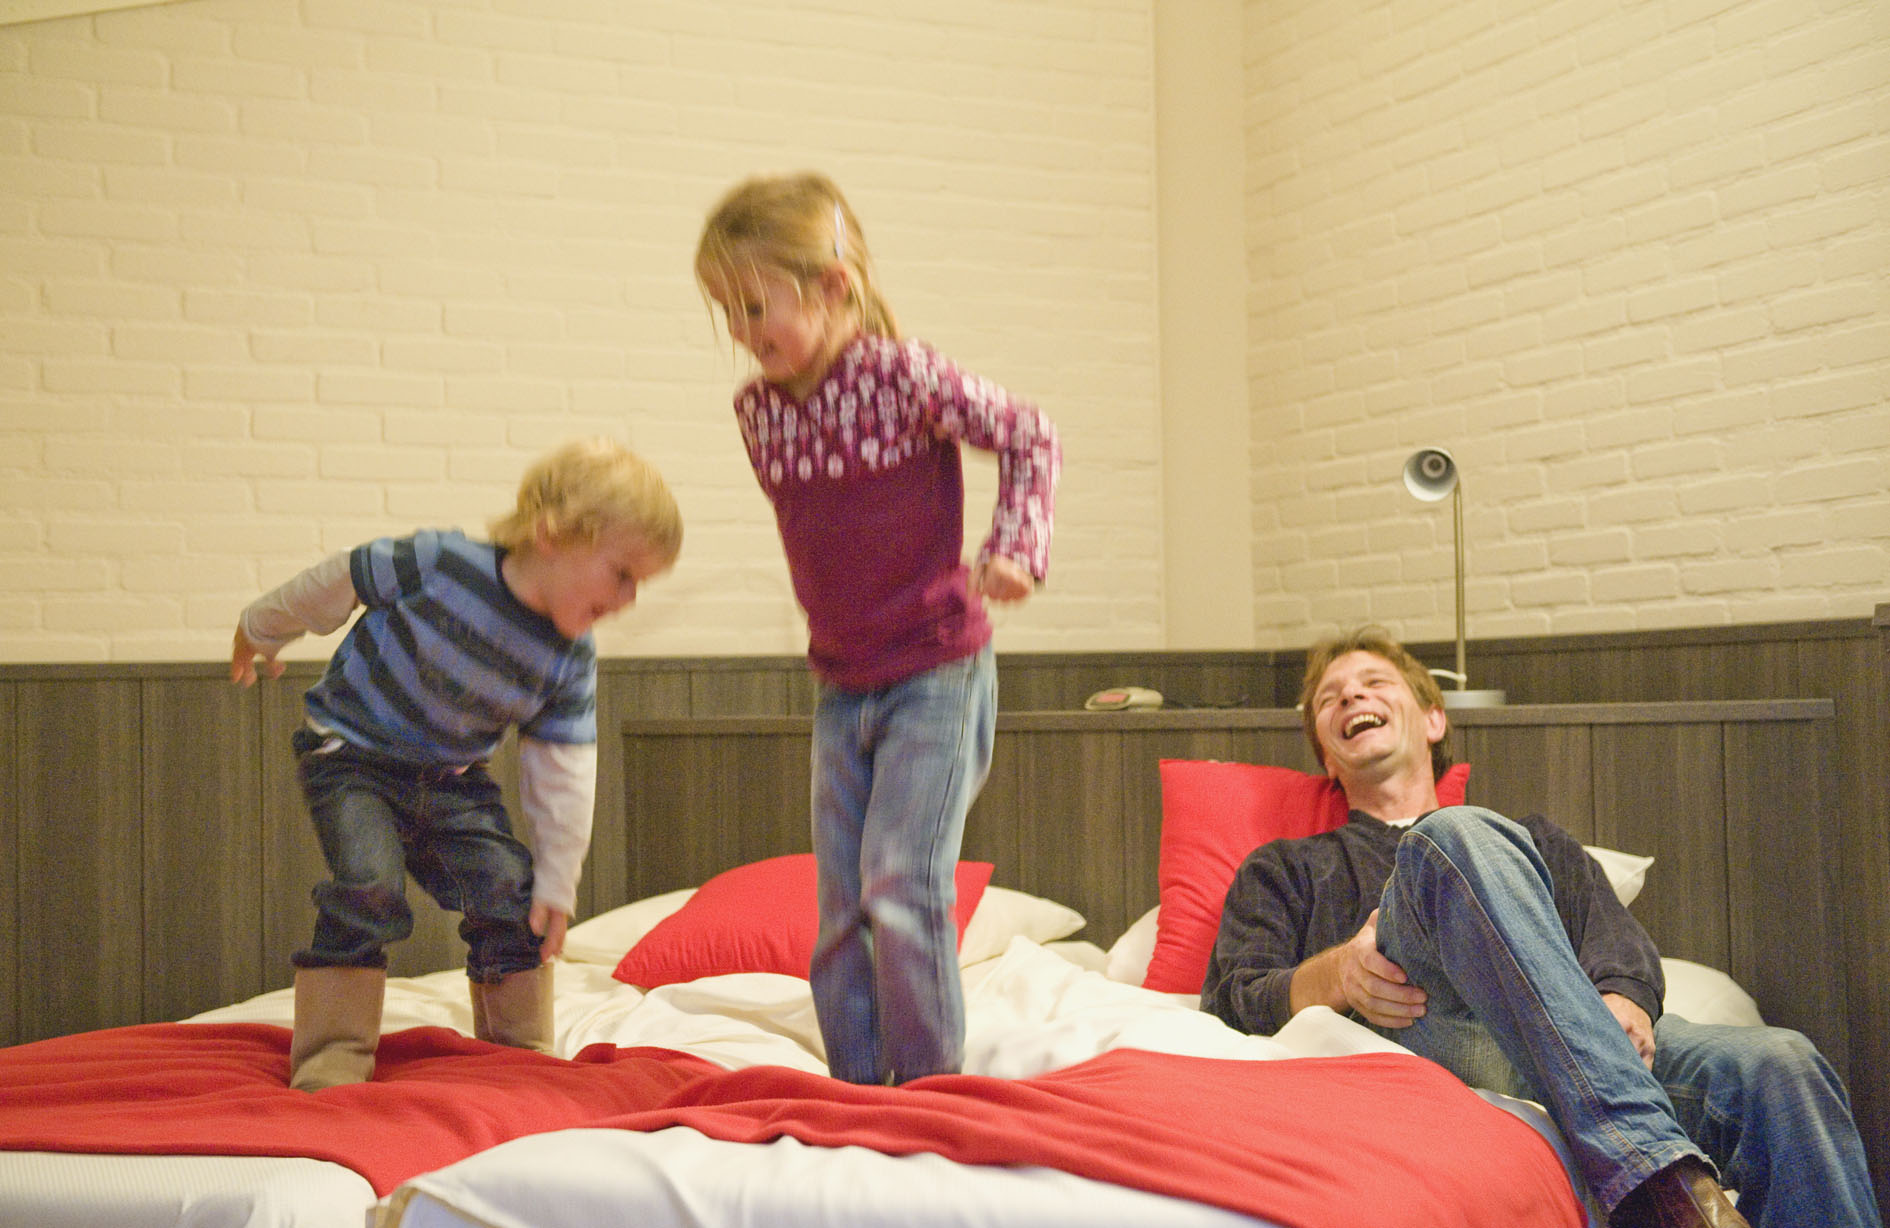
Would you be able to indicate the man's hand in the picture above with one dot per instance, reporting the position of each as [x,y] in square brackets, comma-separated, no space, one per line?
[549,924]
[1634,1021]
[1355,975]
[1374,986]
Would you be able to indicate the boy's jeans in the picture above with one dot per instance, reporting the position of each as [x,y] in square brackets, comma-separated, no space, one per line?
[894,773]
[1469,914]
[377,818]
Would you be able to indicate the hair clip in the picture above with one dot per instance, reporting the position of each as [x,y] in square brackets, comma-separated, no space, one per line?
[839,232]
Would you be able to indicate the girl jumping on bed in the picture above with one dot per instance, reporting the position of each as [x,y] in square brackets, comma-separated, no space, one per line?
[854,436]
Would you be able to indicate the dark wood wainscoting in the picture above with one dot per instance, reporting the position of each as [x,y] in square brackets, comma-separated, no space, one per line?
[155,859]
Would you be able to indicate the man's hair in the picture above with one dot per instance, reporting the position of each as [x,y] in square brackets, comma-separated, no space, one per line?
[1379,642]
[577,492]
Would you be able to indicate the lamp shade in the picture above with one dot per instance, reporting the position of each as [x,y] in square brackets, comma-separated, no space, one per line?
[1430,474]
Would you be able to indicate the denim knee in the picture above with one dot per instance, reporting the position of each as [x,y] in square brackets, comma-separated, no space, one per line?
[1461,829]
[1779,1059]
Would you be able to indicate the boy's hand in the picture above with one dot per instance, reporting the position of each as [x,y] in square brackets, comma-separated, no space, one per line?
[243,661]
[549,924]
[1001,579]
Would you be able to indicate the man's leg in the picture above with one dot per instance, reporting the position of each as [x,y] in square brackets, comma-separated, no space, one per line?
[1469,914]
[1773,1115]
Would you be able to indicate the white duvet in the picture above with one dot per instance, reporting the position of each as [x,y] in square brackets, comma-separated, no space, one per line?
[1032,1009]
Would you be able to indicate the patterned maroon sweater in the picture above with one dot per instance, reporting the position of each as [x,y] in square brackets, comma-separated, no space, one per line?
[868,490]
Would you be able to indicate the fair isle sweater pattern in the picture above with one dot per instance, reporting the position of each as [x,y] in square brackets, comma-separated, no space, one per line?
[887,401]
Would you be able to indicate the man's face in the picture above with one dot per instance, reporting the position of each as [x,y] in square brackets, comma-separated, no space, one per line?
[1369,724]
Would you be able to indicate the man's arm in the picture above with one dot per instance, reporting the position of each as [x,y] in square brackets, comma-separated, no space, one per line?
[1250,970]
[1289,898]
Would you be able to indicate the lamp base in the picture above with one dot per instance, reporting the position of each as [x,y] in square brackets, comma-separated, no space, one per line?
[1475,699]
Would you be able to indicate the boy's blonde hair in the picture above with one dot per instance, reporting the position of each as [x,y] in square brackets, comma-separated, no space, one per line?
[796,224]
[1378,642]
[572,495]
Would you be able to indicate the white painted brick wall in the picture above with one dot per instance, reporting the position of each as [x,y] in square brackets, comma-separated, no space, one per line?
[1628,261]
[275,278]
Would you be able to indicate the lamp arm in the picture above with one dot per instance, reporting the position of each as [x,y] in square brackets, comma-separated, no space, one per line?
[1456,507]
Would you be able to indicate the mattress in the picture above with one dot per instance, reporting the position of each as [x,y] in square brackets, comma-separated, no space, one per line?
[1039,1006]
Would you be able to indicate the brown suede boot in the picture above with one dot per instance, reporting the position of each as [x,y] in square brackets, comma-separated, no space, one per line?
[1681,1195]
[337,1026]
[515,1010]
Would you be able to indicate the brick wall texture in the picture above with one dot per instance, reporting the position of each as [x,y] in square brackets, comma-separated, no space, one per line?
[1626,261]
[276,278]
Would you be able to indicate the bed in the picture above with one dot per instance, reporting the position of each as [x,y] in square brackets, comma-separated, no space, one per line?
[1041,1003]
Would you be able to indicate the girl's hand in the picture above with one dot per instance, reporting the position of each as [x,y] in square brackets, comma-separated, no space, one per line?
[243,656]
[1001,579]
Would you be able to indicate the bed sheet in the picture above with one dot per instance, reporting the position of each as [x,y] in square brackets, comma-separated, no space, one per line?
[1029,1012]
[678,1178]
[1034,1009]
[58,1190]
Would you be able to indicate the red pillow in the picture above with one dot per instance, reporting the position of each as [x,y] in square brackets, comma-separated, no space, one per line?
[1213,815]
[761,917]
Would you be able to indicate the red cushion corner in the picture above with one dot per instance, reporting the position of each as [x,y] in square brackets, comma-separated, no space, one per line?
[758,917]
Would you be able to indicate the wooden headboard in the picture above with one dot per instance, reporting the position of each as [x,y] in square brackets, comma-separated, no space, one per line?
[1733,800]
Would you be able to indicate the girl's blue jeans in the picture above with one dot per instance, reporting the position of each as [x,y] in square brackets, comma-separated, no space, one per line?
[894,773]
[1469,914]
[379,819]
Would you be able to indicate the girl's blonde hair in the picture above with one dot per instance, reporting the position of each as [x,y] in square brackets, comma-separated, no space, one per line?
[576,493]
[799,225]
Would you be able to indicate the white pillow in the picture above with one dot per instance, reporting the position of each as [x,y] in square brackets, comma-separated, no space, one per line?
[1129,954]
[604,938]
[1001,915]
[1004,914]
[1626,872]
[1706,995]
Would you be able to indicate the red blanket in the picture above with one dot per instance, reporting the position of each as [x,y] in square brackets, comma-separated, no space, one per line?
[1317,1142]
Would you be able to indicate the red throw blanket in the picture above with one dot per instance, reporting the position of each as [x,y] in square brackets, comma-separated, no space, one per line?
[1315,1142]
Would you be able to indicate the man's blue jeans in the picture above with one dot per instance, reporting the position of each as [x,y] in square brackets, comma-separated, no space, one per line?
[1469,914]
[894,773]
[377,818]
[1770,1111]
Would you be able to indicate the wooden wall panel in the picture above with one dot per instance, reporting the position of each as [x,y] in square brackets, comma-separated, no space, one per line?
[1517,771]
[1787,868]
[1662,795]
[1043,682]
[202,846]
[81,855]
[991,829]
[745,786]
[9,867]
[1071,839]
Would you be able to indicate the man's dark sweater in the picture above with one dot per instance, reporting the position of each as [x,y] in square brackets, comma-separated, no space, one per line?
[1292,899]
